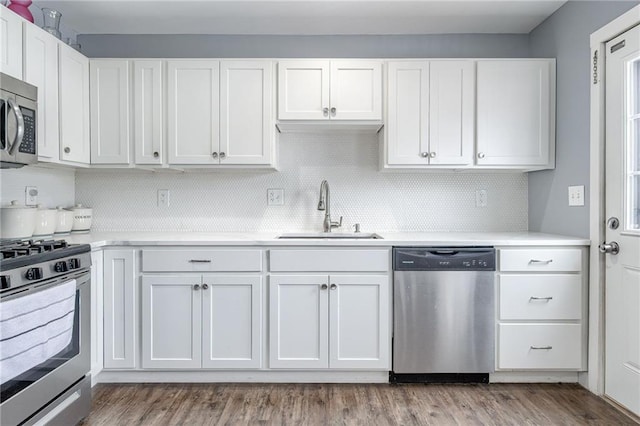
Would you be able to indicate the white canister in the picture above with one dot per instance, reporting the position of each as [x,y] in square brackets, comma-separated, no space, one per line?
[64,220]
[17,221]
[82,217]
[45,221]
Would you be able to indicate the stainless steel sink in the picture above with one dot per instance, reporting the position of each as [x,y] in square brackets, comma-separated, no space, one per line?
[331,236]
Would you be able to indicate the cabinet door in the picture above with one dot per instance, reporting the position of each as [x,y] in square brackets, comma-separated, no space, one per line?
[41,70]
[193,103]
[516,110]
[120,301]
[171,321]
[10,43]
[97,312]
[231,321]
[451,112]
[407,124]
[109,89]
[73,74]
[359,322]
[356,90]
[246,103]
[148,100]
[298,321]
[303,90]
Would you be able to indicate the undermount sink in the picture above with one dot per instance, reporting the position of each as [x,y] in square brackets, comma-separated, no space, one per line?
[331,236]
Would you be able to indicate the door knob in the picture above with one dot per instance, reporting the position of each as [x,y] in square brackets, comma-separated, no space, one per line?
[424,154]
[205,286]
[324,286]
[481,155]
[222,155]
[333,286]
[609,248]
[333,111]
[214,154]
[613,223]
[196,286]
[432,155]
[325,111]
[156,154]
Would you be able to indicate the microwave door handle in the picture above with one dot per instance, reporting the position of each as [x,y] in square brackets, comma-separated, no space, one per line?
[20,130]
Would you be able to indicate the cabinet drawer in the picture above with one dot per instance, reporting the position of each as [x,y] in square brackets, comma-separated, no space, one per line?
[540,346]
[201,260]
[541,260]
[540,297]
[329,260]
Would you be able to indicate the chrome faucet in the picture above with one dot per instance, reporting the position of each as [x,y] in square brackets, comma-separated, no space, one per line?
[325,204]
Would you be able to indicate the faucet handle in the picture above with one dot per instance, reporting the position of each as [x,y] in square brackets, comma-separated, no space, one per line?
[337,224]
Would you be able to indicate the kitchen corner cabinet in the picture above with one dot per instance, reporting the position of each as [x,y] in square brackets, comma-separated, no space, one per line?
[120,313]
[148,111]
[516,113]
[330,90]
[10,43]
[110,118]
[430,113]
[73,73]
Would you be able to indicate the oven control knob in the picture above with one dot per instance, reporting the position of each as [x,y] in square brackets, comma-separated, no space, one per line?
[33,274]
[74,263]
[60,267]
[5,282]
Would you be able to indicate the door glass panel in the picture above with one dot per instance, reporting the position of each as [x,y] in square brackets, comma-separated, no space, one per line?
[632,148]
[634,203]
[635,87]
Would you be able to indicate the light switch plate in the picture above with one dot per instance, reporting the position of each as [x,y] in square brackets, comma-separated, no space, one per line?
[576,195]
[275,197]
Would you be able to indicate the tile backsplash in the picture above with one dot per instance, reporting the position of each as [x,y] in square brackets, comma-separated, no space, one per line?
[56,187]
[237,201]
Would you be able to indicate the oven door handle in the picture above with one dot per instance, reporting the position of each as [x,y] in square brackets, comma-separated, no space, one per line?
[17,140]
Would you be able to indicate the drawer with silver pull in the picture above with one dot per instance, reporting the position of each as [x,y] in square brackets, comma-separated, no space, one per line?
[540,260]
[201,260]
[540,297]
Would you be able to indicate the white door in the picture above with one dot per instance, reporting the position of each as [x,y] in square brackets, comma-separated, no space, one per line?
[451,112]
[171,321]
[356,90]
[515,112]
[622,310]
[41,70]
[303,90]
[193,103]
[120,300]
[73,74]
[148,102]
[407,125]
[231,321]
[359,322]
[10,43]
[110,99]
[298,321]
[246,107]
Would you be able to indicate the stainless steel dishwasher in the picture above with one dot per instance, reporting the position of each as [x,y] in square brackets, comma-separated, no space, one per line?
[444,315]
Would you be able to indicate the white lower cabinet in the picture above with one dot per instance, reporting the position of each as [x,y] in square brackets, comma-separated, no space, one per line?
[201,321]
[320,321]
[97,309]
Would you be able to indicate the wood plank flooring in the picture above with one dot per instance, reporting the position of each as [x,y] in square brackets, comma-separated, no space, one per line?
[349,404]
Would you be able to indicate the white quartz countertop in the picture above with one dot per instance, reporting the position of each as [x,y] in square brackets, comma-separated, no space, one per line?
[102,239]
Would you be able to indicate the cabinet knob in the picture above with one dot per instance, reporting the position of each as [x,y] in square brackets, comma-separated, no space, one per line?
[333,111]
[205,286]
[432,155]
[324,287]
[196,287]
[481,155]
[156,154]
[333,286]
[223,155]
[214,155]
[424,154]
[67,150]
[325,111]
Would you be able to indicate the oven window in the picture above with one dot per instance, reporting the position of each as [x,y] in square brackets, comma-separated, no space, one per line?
[20,382]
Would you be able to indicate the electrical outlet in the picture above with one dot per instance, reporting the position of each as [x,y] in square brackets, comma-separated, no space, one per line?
[275,197]
[30,195]
[481,198]
[163,198]
[576,195]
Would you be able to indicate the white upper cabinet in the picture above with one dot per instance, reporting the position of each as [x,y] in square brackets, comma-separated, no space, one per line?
[73,73]
[336,90]
[430,113]
[193,99]
[246,112]
[110,130]
[148,103]
[10,43]
[41,70]
[516,112]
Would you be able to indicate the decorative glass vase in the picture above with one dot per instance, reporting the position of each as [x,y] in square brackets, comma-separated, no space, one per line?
[51,23]
[21,7]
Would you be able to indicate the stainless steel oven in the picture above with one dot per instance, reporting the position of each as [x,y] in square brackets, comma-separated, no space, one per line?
[18,109]
[46,381]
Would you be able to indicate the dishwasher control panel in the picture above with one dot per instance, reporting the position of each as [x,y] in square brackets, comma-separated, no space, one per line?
[444,259]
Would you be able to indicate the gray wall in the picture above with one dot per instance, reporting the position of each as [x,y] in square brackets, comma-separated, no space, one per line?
[268,46]
[565,36]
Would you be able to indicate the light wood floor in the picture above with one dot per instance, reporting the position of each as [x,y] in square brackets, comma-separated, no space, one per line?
[352,404]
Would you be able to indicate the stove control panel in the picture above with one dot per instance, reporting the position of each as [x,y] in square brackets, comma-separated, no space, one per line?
[33,274]
[61,266]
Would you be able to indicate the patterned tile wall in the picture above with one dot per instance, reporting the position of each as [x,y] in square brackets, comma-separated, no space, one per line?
[237,201]
[56,187]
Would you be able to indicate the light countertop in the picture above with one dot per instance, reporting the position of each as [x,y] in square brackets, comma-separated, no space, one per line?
[102,239]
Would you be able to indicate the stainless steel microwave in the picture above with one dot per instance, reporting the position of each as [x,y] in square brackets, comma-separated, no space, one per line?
[18,109]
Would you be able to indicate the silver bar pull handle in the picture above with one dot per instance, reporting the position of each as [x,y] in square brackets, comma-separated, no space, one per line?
[17,140]
[541,262]
[541,348]
[199,260]
[541,298]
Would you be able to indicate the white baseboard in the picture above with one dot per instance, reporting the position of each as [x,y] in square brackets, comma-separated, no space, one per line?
[534,377]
